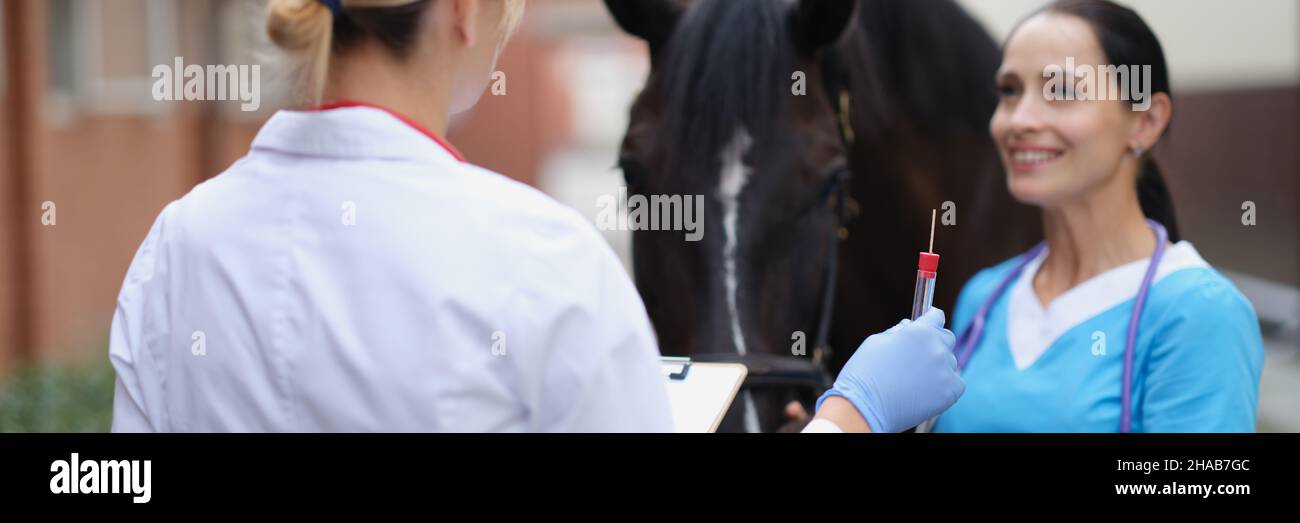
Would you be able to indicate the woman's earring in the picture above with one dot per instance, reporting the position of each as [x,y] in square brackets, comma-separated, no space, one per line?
[1137,150]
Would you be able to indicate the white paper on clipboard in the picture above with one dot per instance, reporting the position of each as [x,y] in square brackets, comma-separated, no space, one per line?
[700,400]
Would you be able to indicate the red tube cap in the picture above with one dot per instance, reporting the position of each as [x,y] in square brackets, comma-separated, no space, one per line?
[929,262]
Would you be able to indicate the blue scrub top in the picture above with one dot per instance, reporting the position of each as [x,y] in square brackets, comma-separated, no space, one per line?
[1196,365]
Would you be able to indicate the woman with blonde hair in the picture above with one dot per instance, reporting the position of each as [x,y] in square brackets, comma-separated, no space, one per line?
[353,273]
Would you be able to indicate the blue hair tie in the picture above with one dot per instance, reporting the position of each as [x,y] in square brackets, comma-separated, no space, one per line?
[335,6]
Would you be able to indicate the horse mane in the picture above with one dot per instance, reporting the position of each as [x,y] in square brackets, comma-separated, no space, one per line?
[910,43]
[713,85]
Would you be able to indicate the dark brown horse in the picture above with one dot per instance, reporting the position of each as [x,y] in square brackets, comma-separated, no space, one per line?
[744,107]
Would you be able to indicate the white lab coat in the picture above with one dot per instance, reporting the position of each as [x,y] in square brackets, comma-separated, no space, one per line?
[350,274]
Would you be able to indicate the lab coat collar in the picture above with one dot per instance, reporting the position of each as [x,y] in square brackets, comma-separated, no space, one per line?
[353,130]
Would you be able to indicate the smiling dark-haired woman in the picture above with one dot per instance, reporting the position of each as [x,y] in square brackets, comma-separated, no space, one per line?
[1113,323]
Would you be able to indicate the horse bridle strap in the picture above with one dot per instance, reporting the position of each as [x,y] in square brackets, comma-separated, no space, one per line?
[772,370]
[838,92]
[821,346]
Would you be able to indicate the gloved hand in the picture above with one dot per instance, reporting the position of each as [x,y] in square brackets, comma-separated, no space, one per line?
[903,376]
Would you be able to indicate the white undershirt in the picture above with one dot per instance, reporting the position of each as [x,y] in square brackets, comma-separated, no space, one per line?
[1031,329]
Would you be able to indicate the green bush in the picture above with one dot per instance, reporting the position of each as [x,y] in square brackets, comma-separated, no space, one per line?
[58,398]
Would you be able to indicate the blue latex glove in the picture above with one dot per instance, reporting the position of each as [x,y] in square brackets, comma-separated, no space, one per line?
[903,376]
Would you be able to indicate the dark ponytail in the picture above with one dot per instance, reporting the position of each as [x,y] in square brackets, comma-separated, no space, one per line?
[1154,197]
[1127,39]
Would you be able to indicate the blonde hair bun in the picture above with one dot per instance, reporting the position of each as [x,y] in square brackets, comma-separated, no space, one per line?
[303,28]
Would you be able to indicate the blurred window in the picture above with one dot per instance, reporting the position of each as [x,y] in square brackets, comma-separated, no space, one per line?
[4,62]
[102,54]
[62,76]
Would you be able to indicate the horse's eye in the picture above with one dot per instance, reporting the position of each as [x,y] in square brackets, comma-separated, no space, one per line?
[833,180]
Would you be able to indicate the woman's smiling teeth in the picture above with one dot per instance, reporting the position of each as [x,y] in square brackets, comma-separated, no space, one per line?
[1036,156]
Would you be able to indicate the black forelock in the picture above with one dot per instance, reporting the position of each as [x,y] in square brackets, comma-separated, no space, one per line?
[728,66]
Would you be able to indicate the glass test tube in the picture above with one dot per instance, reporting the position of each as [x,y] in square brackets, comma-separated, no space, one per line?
[927,268]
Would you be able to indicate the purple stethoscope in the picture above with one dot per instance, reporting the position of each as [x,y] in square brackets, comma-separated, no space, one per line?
[970,338]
